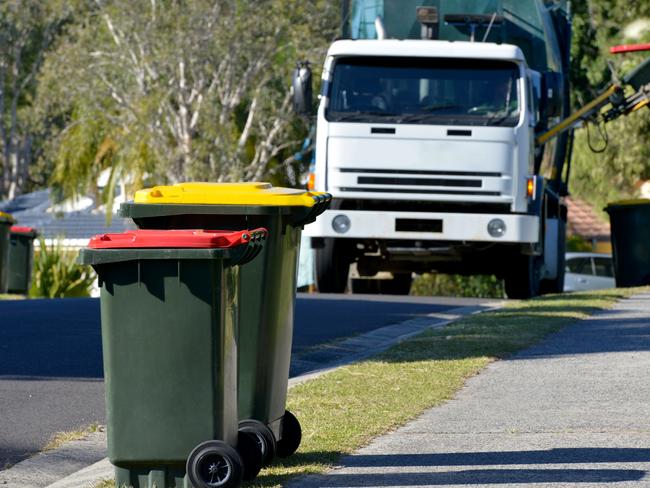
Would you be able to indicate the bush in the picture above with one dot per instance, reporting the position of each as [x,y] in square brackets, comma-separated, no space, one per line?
[56,274]
[575,243]
[446,285]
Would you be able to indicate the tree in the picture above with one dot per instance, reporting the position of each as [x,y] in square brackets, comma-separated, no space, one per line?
[614,173]
[26,30]
[180,90]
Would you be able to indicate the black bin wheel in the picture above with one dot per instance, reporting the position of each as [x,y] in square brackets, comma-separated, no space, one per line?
[250,453]
[291,435]
[214,464]
[263,436]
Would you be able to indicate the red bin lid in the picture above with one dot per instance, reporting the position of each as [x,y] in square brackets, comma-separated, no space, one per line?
[19,229]
[195,239]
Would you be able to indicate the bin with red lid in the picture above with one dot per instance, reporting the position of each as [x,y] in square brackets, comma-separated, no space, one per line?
[169,305]
[21,259]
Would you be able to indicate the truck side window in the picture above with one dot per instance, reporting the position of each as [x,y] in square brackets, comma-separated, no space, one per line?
[530,96]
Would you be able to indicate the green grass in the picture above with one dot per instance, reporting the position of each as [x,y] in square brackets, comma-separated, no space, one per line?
[60,438]
[345,409]
[6,296]
[104,484]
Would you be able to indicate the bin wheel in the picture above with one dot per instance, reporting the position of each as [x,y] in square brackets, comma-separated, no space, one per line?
[263,436]
[250,453]
[291,435]
[214,464]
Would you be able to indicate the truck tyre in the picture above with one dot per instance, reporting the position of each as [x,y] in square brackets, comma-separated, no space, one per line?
[524,278]
[556,285]
[331,266]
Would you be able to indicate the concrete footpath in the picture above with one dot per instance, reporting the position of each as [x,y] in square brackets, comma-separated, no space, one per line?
[572,411]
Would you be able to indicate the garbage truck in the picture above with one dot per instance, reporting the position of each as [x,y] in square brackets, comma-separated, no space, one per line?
[426,137]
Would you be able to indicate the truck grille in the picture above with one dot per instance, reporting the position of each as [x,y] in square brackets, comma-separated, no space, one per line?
[423,190]
[382,180]
[425,182]
[421,172]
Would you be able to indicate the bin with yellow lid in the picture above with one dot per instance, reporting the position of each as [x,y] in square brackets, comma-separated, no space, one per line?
[630,232]
[268,285]
[6,221]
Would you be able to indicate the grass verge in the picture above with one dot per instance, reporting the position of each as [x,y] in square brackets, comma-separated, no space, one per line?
[342,411]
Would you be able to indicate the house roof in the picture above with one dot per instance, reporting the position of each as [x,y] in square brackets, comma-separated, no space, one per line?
[37,210]
[584,221]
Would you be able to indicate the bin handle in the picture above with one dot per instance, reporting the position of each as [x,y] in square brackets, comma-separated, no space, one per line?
[252,248]
[322,202]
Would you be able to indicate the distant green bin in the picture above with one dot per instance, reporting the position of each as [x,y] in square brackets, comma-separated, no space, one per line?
[21,259]
[6,221]
[268,285]
[630,229]
[168,312]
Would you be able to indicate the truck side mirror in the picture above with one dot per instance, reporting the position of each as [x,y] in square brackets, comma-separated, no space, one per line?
[302,91]
[552,94]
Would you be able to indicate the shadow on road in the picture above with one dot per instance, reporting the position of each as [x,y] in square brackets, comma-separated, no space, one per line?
[468,460]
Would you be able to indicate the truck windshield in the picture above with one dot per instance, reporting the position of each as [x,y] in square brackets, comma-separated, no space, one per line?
[424,91]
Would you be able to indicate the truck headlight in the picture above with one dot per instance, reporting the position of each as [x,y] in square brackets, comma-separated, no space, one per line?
[496,228]
[341,224]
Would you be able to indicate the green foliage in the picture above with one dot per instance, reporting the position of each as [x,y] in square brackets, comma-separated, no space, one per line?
[56,274]
[27,29]
[600,178]
[195,90]
[481,286]
[576,243]
[613,174]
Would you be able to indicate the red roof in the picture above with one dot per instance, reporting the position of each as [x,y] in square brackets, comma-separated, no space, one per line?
[585,221]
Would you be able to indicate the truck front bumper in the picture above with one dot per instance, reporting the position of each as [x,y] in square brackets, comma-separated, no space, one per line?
[427,226]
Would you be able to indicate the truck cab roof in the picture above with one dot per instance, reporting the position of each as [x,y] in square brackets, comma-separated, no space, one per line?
[427,48]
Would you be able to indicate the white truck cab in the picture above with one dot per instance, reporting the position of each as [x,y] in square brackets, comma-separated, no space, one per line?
[427,147]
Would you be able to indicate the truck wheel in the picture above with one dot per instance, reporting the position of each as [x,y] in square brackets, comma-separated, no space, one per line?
[331,266]
[524,278]
[557,285]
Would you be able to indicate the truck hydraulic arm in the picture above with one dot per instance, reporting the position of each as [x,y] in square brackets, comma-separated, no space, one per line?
[614,95]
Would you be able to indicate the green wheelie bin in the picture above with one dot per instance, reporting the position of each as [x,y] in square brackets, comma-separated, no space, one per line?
[21,259]
[630,223]
[6,221]
[268,284]
[169,302]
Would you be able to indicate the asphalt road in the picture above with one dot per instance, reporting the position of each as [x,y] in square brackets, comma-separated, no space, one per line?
[51,365]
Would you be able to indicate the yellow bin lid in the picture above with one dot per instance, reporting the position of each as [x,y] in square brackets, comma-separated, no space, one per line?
[6,216]
[227,194]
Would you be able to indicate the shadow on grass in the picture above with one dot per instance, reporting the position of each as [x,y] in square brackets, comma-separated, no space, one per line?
[299,464]
[501,333]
